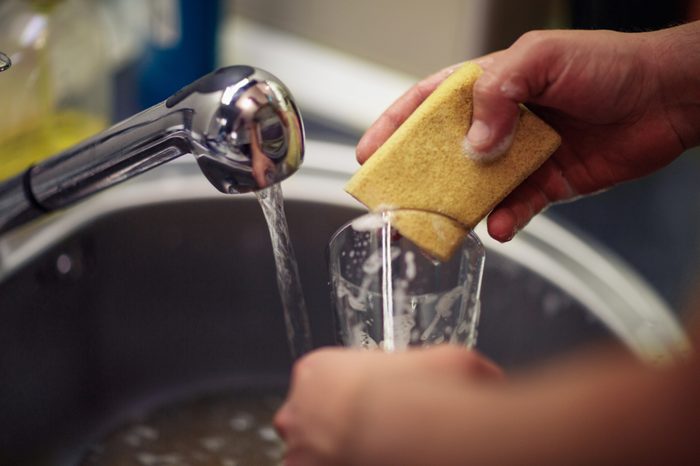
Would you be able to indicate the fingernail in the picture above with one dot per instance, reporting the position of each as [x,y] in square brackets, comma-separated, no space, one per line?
[479,133]
[476,152]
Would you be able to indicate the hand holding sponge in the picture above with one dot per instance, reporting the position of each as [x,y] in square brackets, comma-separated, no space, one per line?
[422,167]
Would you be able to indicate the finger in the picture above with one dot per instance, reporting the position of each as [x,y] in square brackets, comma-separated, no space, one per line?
[302,370]
[510,77]
[547,185]
[502,224]
[281,420]
[522,204]
[452,359]
[397,113]
[494,119]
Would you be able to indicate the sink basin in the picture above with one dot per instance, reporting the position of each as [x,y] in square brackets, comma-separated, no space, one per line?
[162,287]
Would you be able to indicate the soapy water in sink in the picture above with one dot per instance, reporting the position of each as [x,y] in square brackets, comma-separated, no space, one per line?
[296,317]
[232,429]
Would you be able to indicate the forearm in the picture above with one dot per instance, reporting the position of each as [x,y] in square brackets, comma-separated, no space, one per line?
[590,412]
[676,56]
[605,412]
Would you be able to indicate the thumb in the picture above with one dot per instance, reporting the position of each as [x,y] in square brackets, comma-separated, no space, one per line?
[510,77]
[494,120]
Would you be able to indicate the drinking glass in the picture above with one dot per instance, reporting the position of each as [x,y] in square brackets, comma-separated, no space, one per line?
[390,294]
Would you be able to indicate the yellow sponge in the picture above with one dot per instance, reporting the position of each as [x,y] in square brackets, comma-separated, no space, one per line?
[422,165]
[437,235]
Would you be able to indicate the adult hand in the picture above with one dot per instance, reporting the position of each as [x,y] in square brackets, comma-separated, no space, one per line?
[344,406]
[447,406]
[624,104]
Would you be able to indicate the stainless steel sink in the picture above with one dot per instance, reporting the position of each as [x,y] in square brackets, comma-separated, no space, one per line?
[163,287]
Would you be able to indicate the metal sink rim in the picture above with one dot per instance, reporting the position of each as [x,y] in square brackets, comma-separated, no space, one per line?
[595,276]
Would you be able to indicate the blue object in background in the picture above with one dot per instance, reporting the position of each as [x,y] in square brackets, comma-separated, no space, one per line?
[182,49]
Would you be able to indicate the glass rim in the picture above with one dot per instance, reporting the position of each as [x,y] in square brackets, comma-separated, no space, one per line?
[469,232]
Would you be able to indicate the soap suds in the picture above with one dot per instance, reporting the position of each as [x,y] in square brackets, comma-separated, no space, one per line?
[488,156]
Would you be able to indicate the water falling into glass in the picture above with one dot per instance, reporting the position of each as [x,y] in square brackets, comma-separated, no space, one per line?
[390,294]
[296,317]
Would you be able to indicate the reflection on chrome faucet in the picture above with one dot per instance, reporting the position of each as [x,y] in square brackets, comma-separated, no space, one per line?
[5,62]
[239,122]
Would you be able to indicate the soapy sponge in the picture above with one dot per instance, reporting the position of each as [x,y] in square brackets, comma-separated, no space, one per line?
[422,165]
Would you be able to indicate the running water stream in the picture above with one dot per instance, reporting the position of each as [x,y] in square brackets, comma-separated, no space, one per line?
[296,317]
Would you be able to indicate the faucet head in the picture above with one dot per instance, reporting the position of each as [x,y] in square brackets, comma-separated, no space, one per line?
[246,129]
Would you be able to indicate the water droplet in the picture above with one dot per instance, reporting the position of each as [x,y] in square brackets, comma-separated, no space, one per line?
[274,453]
[140,434]
[241,422]
[268,433]
[152,459]
[212,443]
[552,303]
[64,264]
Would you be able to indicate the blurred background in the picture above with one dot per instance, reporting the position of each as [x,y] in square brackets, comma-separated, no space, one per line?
[79,65]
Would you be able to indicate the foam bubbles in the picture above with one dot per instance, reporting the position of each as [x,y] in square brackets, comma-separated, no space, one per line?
[368,222]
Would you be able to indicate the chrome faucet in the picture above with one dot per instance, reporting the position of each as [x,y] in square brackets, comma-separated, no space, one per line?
[239,122]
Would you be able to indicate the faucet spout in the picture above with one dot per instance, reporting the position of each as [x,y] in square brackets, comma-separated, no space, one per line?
[240,123]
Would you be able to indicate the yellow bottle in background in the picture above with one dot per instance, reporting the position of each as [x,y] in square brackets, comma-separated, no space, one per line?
[57,90]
